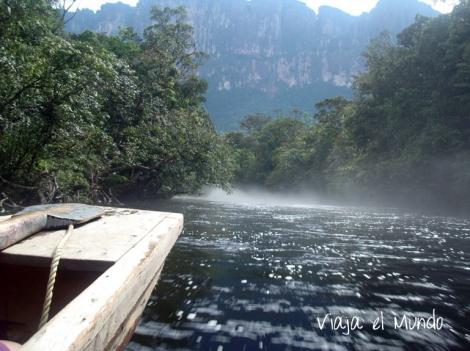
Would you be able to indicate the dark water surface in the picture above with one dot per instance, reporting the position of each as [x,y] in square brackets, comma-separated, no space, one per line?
[258,277]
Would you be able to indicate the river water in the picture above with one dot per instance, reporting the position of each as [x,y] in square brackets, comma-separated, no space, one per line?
[257,275]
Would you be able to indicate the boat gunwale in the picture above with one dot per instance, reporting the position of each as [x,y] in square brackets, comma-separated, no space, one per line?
[92,319]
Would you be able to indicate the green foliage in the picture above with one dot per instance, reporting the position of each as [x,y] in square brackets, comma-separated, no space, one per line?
[257,149]
[88,116]
[405,136]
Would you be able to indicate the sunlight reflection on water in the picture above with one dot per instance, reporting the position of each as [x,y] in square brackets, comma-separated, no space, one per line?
[255,276]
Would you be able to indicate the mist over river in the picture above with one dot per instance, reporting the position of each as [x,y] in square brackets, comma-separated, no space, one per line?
[272,274]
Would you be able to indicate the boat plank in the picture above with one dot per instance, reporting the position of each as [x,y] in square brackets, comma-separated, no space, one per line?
[92,319]
[105,240]
[126,330]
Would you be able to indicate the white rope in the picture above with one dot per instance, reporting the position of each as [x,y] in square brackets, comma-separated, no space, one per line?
[52,276]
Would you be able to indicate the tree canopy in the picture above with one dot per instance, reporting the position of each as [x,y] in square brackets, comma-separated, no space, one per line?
[88,117]
[404,137]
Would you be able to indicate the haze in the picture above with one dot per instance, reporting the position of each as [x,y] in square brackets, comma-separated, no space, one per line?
[352,7]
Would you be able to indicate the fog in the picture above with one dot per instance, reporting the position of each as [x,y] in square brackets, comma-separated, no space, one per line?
[401,200]
[256,196]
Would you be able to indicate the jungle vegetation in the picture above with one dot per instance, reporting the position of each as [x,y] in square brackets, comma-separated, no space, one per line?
[403,138]
[92,118]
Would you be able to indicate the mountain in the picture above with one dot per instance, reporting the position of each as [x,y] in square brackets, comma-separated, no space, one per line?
[266,55]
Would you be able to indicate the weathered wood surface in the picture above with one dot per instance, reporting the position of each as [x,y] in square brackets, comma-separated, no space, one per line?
[18,228]
[93,319]
[101,242]
[126,330]
[42,217]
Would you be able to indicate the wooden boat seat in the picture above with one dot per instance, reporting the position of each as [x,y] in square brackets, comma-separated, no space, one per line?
[120,254]
[94,246]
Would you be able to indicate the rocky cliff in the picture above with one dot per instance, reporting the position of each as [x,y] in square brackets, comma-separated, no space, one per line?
[266,55]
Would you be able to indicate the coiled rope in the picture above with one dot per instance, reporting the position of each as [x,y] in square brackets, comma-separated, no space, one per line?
[52,277]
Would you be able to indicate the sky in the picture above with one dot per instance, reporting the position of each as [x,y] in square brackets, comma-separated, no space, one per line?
[354,7]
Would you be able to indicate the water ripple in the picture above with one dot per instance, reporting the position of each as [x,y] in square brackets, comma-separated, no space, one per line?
[255,277]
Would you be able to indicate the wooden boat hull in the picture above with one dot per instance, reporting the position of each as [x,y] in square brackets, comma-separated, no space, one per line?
[104,315]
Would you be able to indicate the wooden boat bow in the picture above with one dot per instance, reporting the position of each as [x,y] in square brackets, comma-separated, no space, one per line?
[124,251]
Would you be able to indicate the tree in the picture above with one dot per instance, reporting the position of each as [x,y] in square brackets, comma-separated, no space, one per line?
[88,117]
[404,137]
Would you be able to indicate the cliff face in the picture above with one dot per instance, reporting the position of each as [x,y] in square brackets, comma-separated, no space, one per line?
[266,55]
